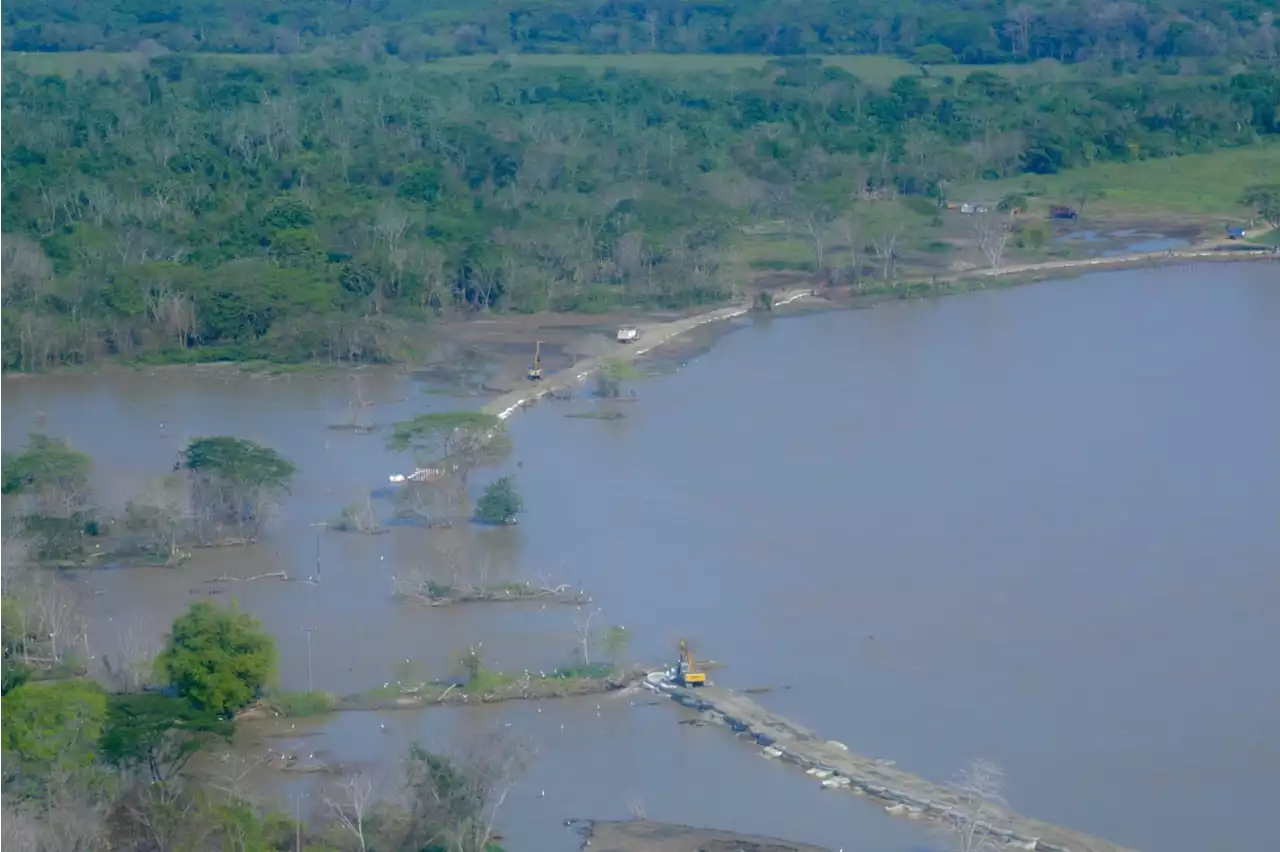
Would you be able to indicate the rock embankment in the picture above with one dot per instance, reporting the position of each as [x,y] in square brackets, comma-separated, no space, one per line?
[902,794]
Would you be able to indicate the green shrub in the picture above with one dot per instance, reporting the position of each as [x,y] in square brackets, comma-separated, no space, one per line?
[315,702]
[501,503]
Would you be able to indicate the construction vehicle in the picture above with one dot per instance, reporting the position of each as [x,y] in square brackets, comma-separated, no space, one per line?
[535,372]
[687,672]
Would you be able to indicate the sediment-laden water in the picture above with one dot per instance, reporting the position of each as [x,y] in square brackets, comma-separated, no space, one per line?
[1039,525]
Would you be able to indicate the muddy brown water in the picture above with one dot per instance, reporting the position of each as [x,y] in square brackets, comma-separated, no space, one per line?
[1039,525]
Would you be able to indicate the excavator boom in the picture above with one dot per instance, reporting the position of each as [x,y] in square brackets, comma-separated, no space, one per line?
[687,673]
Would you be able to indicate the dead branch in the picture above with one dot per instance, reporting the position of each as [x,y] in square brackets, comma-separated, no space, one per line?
[272,575]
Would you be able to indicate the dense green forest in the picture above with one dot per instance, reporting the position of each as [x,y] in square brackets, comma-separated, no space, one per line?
[188,206]
[974,31]
[302,212]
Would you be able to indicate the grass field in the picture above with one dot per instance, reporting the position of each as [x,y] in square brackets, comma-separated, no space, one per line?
[1196,185]
[91,62]
[69,64]
[877,70]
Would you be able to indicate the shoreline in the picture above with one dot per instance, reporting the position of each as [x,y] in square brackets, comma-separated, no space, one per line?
[652,336]
[659,333]
[655,335]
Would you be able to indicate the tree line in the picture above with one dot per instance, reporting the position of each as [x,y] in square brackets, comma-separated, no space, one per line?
[193,211]
[972,31]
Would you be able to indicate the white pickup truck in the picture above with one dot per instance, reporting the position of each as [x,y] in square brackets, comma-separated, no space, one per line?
[628,334]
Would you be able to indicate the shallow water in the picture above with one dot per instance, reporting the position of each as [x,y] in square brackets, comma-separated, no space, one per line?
[1039,525]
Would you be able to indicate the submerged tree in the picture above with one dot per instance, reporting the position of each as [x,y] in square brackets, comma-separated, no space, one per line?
[51,482]
[453,442]
[235,485]
[160,519]
[451,446]
[501,502]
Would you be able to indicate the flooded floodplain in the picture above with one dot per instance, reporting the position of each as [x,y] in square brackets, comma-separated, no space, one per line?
[1038,525]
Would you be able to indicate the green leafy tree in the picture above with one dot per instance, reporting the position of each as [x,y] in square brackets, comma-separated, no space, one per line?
[501,503]
[52,729]
[158,733]
[13,674]
[235,485]
[51,482]
[216,659]
[1265,199]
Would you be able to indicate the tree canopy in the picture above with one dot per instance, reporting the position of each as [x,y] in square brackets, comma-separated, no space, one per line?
[235,484]
[157,733]
[501,503]
[238,461]
[218,660]
[967,31]
[52,728]
[198,208]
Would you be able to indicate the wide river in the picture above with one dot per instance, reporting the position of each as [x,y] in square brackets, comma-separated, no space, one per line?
[1040,526]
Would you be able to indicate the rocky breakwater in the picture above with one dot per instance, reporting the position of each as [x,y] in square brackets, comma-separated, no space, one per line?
[901,793]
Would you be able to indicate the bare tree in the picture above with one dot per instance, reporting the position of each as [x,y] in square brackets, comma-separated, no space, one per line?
[390,226]
[350,805]
[166,814]
[19,830]
[582,627]
[24,268]
[55,607]
[885,244]
[458,799]
[76,822]
[851,236]
[979,790]
[14,559]
[160,518]
[635,807]
[993,234]
[816,222]
[138,644]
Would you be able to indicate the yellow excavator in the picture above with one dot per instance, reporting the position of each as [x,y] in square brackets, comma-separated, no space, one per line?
[535,372]
[687,672]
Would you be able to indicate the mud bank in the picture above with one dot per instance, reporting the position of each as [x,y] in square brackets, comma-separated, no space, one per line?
[652,336]
[645,836]
[834,767]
